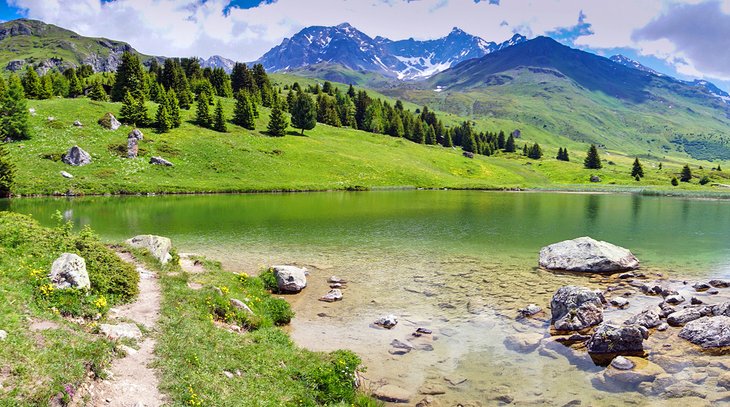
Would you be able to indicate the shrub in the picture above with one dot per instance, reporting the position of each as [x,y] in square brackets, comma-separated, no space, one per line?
[269,280]
[704,180]
[334,382]
[278,310]
[674,181]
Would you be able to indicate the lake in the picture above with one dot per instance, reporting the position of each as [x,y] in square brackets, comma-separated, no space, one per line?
[457,262]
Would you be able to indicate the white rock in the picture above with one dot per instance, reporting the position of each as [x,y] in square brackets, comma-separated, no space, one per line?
[69,271]
[290,279]
[3,335]
[387,321]
[588,255]
[158,246]
[66,175]
[126,330]
[332,296]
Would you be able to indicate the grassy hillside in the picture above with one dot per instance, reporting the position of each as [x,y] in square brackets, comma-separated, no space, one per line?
[325,158]
[38,43]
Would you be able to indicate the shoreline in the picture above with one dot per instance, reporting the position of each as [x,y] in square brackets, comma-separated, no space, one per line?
[567,189]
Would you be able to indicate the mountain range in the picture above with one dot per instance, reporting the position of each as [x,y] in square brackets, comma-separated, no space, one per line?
[350,48]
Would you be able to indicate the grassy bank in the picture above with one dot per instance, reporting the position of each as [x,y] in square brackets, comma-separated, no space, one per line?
[326,158]
[204,362]
[50,347]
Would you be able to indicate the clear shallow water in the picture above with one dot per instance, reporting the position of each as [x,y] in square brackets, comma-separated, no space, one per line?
[459,262]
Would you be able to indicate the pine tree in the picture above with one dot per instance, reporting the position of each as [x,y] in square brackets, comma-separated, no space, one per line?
[3,88]
[686,174]
[448,142]
[173,108]
[46,90]
[277,121]
[524,150]
[74,84]
[31,83]
[718,167]
[535,152]
[163,120]
[592,160]
[303,113]
[243,112]
[97,92]
[509,145]
[14,111]
[134,110]
[660,166]
[130,78]
[219,119]
[470,144]
[7,173]
[202,114]
[637,170]
[500,140]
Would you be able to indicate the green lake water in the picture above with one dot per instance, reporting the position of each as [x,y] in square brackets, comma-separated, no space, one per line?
[459,262]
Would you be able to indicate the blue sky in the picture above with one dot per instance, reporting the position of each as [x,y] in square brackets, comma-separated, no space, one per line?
[683,38]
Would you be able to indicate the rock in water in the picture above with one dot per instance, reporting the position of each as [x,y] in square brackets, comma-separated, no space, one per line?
[69,271]
[387,321]
[290,279]
[618,339]
[588,255]
[158,246]
[160,161]
[708,332]
[76,157]
[108,121]
[574,308]
[393,394]
[621,363]
[688,314]
[648,318]
[332,296]
[529,310]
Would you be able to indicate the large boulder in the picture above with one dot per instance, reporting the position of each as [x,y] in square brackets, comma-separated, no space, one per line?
[76,157]
[689,314]
[158,246]
[588,255]
[708,332]
[108,121]
[290,279]
[575,308]
[617,339]
[69,271]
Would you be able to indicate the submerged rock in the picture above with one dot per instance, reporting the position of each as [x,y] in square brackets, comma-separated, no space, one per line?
[618,339]
[523,342]
[158,246]
[392,394]
[77,157]
[575,308]
[648,318]
[641,371]
[529,310]
[290,279]
[708,332]
[69,271]
[587,255]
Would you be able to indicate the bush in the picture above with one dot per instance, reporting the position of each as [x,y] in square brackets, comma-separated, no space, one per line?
[674,181]
[334,382]
[269,280]
[704,180]
[278,310]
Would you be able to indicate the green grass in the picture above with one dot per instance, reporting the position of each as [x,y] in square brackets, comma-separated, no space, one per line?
[326,158]
[194,351]
[37,366]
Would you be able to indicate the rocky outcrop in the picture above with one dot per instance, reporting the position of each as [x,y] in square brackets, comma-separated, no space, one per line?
[587,255]
[708,332]
[290,279]
[15,65]
[76,157]
[575,308]
[108,121]
[69,271]
[160,161]
[158,246]
[617,339]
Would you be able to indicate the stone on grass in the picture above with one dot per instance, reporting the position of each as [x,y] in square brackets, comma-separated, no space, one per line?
[290,279]
[160,161]
[332,296]
[158,246]
[108,121]
[136,134]
[69,271]
[575,308]
[3,335]
[121,331]
[76,156]
[587,255]
[238,304]
[708,332]
[78,124]
[66,175]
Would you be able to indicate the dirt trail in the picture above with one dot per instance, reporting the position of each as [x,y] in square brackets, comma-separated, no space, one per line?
[133,382]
